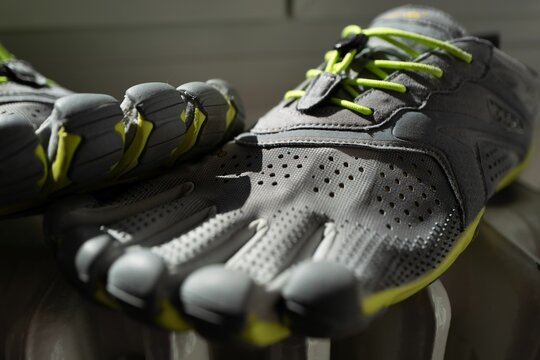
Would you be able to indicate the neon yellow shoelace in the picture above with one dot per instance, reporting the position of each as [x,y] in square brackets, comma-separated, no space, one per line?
[337,63]
[4,55]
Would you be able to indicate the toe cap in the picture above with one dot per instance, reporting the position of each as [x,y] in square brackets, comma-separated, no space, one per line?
[322,299]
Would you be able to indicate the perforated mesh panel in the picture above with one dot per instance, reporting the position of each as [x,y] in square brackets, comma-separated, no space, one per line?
[390,209]
[154,219]
[398,190]
[289,231]
[31,103]
[34,113]
[212,232]
[133,193]
[504,116]
[406,259]
[496,162]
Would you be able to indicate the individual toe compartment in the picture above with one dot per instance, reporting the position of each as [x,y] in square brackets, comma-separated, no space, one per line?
[208,116]
[153,116]
[23,163]
[258,268]
[236,112]
[139,282]
[292,234]
[91,237]
[134,277]
[323,296]
[216,299]
[213,241]
[149,227]
[86,141]
[320,299]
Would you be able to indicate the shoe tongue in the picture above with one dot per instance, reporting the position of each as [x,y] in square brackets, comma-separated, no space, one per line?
[418,19]
[4,54]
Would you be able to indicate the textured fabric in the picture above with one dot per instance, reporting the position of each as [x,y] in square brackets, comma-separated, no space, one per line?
[495,163]
[26,93]
[398,196]
[33,112]
[129,194]
[217,230]
[15,91]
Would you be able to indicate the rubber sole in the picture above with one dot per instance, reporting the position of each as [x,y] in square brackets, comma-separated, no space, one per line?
[92,141]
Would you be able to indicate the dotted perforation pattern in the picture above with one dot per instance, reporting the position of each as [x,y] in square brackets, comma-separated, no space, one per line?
[288,233]
[134,193]
[34,113]
[496,162]
[389,208]
[154,220]
[201,239]
[504,117]
[408,258]
[394,192]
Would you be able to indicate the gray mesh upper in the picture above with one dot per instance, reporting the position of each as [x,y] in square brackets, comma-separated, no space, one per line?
[31,103]
[33,112]
[388,208]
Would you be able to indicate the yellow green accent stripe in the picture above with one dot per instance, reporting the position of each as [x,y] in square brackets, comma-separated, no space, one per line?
[3,79]
[40,154]
[120,130]
[135,149]
[261,332]
[65,151]
[231,114]
[103,297]
[191,134]
[169,317]
[5,54]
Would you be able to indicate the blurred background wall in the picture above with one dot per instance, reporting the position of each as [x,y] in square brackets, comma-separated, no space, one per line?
[263,46]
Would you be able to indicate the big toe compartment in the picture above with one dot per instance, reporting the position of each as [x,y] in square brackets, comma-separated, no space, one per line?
[321,299]
[216,299]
